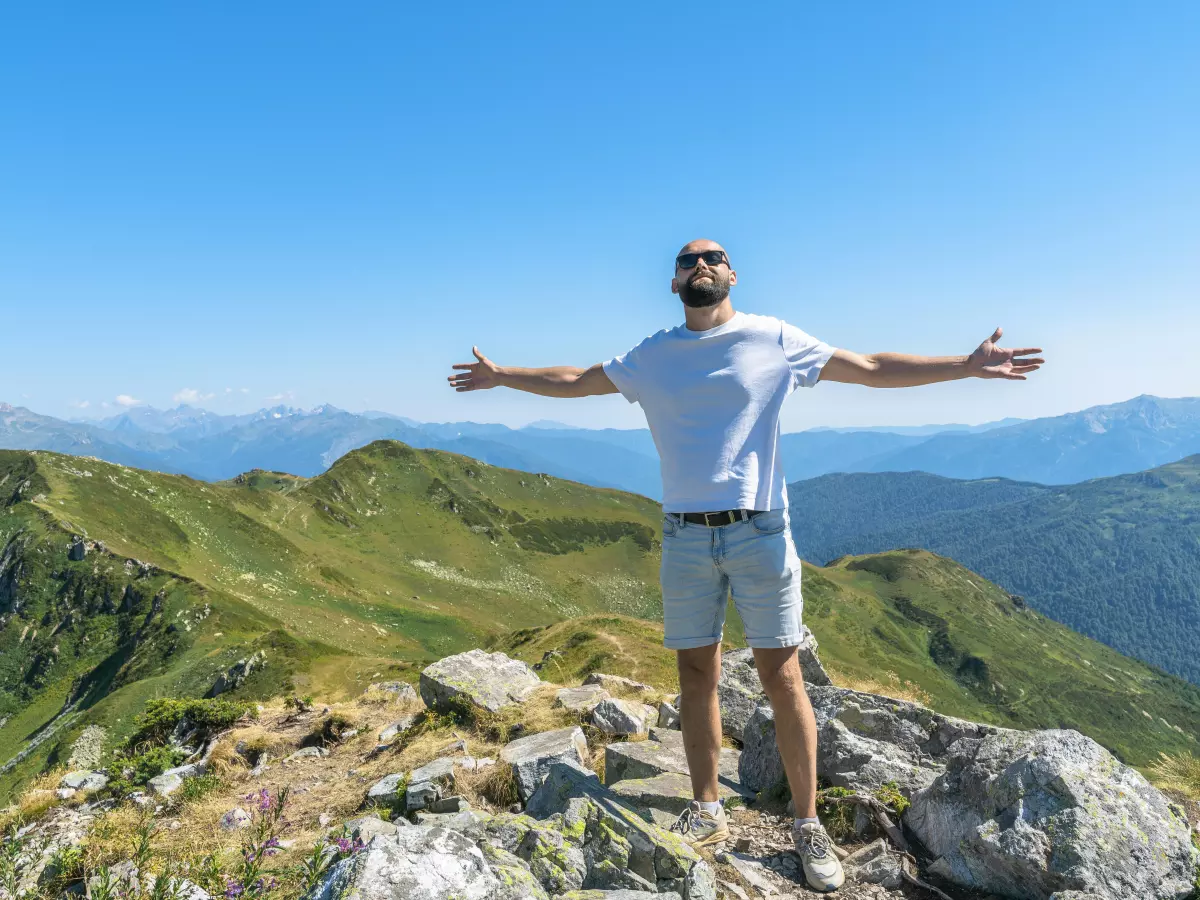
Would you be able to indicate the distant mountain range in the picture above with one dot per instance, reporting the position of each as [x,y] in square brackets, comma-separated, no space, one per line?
[1104,440]
[1117,559]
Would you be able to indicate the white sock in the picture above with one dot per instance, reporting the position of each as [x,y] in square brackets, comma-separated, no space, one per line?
[800,822]
[712,807]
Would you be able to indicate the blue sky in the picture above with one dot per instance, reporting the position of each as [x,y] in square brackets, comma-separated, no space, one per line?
[234,203]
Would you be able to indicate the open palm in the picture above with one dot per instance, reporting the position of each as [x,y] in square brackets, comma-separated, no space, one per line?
[477,376]
[990,361]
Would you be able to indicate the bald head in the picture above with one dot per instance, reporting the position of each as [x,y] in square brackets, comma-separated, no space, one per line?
[700,245]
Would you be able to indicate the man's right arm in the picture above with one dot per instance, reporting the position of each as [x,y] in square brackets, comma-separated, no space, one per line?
[555,381]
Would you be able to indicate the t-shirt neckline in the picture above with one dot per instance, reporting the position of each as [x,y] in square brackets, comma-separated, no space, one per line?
[715,330]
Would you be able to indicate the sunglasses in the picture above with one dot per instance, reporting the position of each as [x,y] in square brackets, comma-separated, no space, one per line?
[712,257]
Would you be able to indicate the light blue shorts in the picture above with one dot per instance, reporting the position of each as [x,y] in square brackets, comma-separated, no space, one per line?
[754,561]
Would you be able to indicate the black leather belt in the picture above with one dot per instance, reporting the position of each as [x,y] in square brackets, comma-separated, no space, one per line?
[716,519]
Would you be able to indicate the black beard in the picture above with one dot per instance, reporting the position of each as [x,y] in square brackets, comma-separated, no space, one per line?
[705,294]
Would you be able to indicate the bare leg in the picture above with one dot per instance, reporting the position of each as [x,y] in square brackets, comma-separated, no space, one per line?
[700,716]
[795,725]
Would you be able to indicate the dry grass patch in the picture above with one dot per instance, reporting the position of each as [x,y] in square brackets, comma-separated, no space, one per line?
[894,687]
[1180,774]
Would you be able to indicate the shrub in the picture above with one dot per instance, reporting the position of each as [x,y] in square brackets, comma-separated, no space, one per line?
[162,715]
[133,770]
[838,817]
[198,786]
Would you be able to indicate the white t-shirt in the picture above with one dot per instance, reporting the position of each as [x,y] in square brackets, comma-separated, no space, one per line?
[712,400]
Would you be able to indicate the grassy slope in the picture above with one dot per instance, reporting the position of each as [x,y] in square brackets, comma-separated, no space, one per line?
[395,557]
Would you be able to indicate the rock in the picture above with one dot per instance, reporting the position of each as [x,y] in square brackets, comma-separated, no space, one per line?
[387,791]
[621,849]
[88,749]
[449,805]
[324,819]
[78,551]
[618,895]
[237,818]
[171,780]
[84,781]
[668,715]
[366,827]
[663,753]
[581,699]
[418,863]
[617,683]
[420,794]
[1025,814]
[396,691]
[237,674]
[307,753]
[441,769]
[1076,895]
[396,729]
[490,681]
[670,792]
[874,864]
[614,716]
[532,756]
[863,741]
[740,690]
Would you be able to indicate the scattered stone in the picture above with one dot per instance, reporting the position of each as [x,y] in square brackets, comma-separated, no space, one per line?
[490,681]
[396,691]
[88,749]
[581,699]
[449,805]
[613,716]
[366,827]
[237,818]
[386,791]
[874,864]
[171,780]
[396,729]
[1027,813]
[307,753]
[668,715]
[420,795]
[617,683]
[532,756]
[324,819]
[84,781]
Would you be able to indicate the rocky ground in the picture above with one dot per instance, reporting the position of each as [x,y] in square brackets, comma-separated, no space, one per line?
[491,784]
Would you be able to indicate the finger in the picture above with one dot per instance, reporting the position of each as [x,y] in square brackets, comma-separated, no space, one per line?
[1025,351]
[996,335]
[458,379]
[1011,377]
[1025,369]
[1029,361]
[479,356]
[464,365]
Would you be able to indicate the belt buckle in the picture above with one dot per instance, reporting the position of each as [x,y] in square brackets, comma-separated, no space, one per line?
[724,513]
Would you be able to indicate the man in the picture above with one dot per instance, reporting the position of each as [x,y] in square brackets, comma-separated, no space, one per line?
[712,390]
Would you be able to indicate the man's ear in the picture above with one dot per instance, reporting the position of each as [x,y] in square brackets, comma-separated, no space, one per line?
[674,285]
[732,277]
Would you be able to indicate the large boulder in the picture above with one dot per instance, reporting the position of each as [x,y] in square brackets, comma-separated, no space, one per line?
[663,754]
[532,756]
[84,781]
[613,716]
[863,741]
[490,681]
[581,699]
[740,690]
[1029,814]
[417,863]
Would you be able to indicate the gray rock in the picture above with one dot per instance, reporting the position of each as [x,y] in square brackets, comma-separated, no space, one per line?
[84,781]
[307,753]
[418,863]
[171,780]
[740,690]
[581,699]
[387,791]
[614,716]
[441,769]
[236,819]
[396,729]
[874,864]
[397,691]
[237,674]
[668,715]
[420,794]
[78,551]
[1028,814]
[617,683]
[532,756]
[863,741]
[490,681]
[670,792]
[88,749]
[618,895]
[366,827]
[1076,895]
[663,753]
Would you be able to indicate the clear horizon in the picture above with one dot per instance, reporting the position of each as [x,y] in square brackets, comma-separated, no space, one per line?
[299,205]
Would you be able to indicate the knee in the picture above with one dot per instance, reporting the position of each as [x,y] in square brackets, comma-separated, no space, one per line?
[699,672]
[782,680]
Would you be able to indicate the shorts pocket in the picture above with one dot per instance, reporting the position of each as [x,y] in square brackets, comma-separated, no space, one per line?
[669,527]
[772,522]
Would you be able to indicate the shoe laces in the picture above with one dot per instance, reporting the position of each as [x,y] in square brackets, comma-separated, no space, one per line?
[684,823]
[817,843]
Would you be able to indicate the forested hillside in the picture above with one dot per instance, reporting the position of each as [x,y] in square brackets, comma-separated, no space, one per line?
[1117,559]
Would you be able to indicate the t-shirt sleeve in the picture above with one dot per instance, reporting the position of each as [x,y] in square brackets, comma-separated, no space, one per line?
[806,355]
[625,371]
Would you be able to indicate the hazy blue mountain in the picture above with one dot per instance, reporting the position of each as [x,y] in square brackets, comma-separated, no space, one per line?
[1117,558]
[926,430]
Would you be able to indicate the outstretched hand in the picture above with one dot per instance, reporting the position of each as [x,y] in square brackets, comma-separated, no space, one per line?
[476,376]
[990,361]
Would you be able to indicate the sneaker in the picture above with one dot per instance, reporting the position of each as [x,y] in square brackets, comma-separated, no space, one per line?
[821,866]
[701,828]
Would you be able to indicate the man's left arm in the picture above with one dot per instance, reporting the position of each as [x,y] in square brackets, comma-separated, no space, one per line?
[894,370]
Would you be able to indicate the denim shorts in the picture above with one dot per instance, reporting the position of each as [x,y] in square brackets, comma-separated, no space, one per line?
[755,561]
